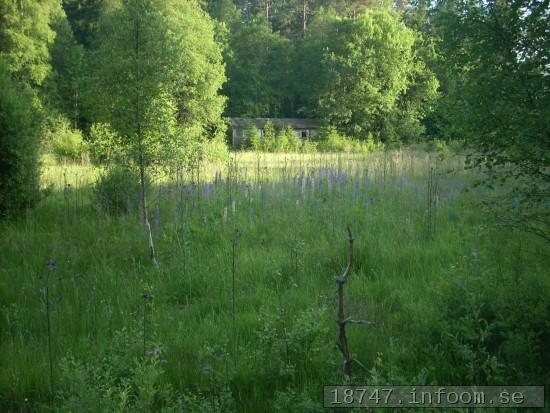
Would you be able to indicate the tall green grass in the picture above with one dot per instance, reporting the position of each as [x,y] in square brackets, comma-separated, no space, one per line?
[468,304]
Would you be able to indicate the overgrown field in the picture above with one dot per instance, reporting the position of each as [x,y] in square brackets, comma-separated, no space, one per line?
[241,314]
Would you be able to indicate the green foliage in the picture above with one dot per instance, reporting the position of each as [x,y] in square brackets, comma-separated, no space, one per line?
[216,150]
[269,143]
[62,86]
[254,88]
[496,96]
[469,305]
[330,140]
[19,144]
[491,328]
[224,11]
[157,72]
[117,190]
[25,36]
[499,96]
[105,144]
[289,400]
[123,379]
[252,134]
[482,326]
[310,146]
[288,141]
[67,143]
[289,345]
[84,16]
[367,75]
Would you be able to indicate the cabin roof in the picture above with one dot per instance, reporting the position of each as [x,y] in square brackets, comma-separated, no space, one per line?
[259,123]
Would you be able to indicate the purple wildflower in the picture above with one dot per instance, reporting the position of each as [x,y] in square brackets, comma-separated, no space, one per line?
[52,265]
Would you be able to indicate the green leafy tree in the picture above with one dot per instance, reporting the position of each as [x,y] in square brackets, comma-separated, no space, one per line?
[259,70]
[156,76]
[105,145]
[84,16]
[67,143]
[25,37]
[352,9]
[62,87]
[19,144]
[363,74]
[224,11]
[497,98]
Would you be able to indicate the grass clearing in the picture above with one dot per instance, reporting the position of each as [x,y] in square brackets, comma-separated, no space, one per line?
[468,304]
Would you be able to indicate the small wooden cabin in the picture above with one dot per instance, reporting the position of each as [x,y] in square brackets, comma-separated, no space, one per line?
[304,128]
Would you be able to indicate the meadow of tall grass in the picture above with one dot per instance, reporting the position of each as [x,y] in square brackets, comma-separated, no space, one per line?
[241,314]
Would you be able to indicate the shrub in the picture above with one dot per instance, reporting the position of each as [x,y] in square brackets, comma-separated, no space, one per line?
[288,141]
[104,143]
[119,380]
[494,326]
[252,140]
[68,144]
[287,346]
[216,149]
[309,146]
[331,141]
[117,191]
[19,145]
[270,140]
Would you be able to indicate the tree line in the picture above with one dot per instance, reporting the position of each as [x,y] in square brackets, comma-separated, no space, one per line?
[150,81]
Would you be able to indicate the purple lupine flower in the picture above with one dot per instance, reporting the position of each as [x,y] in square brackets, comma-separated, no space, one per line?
[155,352]
[52,264]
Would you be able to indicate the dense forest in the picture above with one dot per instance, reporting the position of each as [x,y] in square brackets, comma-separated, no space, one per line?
[148,266]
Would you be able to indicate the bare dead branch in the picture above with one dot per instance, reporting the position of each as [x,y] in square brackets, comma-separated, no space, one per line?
[364,322]
[340,281]
[342,320]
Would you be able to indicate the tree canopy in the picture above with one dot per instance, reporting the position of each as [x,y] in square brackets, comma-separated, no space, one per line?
[157,68]
[366,71]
